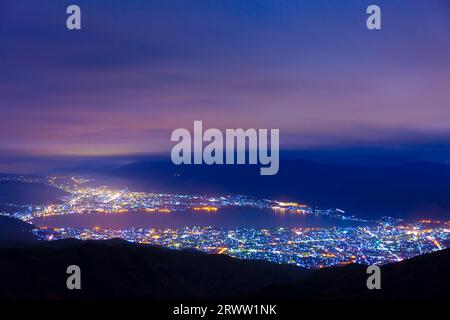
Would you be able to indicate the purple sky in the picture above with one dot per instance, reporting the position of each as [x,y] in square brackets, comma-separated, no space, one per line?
[139,69]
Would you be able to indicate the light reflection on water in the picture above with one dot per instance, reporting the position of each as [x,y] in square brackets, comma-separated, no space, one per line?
[223,218]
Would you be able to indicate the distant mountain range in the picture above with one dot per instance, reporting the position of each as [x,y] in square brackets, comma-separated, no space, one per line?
[418,189]
[23,193]
[17,193]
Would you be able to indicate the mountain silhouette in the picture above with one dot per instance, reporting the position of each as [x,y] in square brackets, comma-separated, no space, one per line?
[120,270]
[15,232]
[407,190]
[116,269]
[26,193]
[421,277]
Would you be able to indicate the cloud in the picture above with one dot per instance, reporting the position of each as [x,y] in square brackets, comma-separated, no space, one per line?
[142,68]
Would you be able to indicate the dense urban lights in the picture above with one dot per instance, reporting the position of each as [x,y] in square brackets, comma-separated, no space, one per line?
[378,242]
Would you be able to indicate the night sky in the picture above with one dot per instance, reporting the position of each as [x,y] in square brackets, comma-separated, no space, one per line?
[139,69]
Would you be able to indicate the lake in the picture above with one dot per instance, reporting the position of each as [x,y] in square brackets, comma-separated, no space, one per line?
[223,218]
